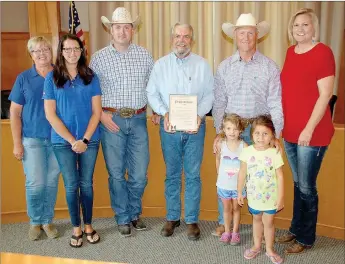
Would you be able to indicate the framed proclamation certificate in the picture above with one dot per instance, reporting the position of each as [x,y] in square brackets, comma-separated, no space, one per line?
[183,112]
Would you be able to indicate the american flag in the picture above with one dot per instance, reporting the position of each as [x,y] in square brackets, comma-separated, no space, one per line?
[74,23]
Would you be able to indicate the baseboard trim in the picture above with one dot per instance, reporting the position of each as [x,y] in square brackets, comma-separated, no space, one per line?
[209,215]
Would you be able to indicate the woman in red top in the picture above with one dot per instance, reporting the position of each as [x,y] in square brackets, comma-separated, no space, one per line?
[307,84]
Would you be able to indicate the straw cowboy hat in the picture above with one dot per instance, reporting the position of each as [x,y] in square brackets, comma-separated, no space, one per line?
[121,16]
[246,20]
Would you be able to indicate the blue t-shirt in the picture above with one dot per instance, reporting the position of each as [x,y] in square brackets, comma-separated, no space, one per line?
[73,105]
[27,91]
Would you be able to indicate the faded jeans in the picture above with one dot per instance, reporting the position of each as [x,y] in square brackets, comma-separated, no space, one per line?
[41,180]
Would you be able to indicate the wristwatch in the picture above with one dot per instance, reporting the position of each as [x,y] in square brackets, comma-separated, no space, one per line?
[85,141]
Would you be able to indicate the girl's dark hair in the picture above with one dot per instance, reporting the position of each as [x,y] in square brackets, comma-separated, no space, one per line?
[60,72]
[263,120]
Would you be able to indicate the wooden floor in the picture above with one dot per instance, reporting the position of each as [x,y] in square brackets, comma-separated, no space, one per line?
[10,258]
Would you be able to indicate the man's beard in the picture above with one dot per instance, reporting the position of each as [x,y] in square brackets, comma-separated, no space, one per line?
[181,53]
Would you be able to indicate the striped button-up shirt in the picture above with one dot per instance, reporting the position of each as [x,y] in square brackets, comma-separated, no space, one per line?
[123,76]
[248,89]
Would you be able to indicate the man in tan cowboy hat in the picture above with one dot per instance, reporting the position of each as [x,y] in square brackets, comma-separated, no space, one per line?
[248,84]
[124,69]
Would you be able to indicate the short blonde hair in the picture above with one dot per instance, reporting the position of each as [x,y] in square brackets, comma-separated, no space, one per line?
[314,21]
[35,40]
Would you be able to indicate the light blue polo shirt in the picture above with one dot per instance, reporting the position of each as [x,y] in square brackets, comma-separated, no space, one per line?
[73,105]
[27,91]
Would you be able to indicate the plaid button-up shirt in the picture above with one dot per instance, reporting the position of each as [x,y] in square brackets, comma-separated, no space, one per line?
[123,76]
[248,89]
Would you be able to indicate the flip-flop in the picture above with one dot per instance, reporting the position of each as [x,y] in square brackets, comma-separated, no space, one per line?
[250,254]
[276,259]
[76,238]
[91,235]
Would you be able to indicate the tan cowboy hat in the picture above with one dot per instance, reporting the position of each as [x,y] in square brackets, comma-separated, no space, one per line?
[246,20]
[121,16]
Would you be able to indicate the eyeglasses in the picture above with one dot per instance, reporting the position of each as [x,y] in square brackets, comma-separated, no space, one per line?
[39,51]
[69,50]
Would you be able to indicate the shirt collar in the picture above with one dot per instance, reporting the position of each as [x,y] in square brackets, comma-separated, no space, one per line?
[112,48]
[183,60]
[33,71]
[236,57]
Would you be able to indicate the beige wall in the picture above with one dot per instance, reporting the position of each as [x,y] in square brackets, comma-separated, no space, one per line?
[14,17]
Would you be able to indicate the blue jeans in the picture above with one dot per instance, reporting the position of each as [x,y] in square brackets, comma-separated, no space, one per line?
[182,151]
[41,180]
[126,149]
[77,173]
[246,137]
[305,163]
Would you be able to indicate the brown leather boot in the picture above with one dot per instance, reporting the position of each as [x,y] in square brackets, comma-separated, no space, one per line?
[296,248]
[285,238]
[169,227]
[193,231]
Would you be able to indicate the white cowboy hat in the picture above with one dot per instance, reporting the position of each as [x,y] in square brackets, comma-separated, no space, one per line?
[246,20]
[121,16]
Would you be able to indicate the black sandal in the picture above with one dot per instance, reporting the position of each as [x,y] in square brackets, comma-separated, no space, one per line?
[91,235]
[76,238]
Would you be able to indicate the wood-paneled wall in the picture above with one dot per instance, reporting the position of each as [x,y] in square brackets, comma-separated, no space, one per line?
[14,57]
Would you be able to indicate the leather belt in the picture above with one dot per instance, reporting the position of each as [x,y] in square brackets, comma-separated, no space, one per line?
[125,112]
[247,121]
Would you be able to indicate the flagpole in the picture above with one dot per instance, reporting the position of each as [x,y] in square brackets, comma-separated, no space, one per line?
[72,16]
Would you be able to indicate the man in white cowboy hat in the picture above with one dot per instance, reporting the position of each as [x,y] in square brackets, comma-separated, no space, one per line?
[124,69]
[248,84]
[181,72]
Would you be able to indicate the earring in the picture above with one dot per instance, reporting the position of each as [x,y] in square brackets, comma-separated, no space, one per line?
[313,41]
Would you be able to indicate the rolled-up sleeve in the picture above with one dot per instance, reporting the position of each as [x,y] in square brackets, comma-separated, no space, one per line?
[152,89]
[205,104]
[274,101]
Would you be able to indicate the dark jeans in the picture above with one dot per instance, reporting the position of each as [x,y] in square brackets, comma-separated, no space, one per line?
[305,163]
[77,173]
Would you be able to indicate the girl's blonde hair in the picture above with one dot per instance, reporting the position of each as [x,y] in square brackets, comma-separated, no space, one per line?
[314,21]
[234,119]
[263,120]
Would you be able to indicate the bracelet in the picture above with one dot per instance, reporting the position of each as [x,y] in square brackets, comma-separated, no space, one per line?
[85,141]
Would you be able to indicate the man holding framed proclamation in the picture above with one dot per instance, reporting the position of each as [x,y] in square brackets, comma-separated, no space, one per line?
[180,89]
[183,112]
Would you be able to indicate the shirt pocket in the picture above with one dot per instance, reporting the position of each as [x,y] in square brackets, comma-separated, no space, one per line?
[259,85]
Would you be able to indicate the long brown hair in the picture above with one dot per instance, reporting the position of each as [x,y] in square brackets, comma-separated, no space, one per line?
[60,72]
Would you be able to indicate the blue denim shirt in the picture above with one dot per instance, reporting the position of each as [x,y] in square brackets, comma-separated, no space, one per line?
[73,105]
[27,91]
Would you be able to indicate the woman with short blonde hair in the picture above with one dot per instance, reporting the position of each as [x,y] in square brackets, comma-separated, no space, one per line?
[31,139]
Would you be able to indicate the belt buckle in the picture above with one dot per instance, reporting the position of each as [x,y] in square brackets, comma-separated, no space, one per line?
[126,112]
